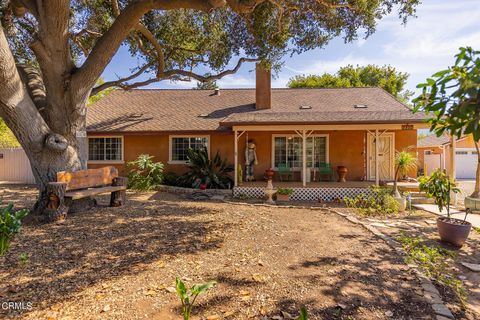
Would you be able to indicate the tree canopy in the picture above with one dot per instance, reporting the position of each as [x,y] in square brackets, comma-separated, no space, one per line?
[386,77]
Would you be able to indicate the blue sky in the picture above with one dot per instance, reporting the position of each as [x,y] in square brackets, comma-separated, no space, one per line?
[423,46]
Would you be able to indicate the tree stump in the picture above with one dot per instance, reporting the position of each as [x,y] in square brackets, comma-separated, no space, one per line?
[57,208]
[117,198]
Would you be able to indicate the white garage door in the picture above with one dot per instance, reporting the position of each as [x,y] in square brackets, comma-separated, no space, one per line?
[466,163]
[15,167]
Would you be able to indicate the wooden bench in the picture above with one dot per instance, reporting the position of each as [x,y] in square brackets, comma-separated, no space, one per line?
[82,184]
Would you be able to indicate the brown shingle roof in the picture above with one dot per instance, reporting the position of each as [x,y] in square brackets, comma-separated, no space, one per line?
[433,141]
[193,110]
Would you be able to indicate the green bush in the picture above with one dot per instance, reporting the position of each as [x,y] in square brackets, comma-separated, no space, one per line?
[170,179]
[144,174]
[285,191]
[214,173]
[378,202]
[10,225]
[438,186]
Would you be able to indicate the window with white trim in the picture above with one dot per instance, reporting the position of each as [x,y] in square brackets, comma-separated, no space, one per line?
[105,149]
[288,150]
[428,152]
[180,145]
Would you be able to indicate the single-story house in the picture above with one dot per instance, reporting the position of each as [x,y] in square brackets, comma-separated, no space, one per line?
[435,153]
[300,129]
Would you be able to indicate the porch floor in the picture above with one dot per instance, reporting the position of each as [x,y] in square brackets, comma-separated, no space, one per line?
[322,184]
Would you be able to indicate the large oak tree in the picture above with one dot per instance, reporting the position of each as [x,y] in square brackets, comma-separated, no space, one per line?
[52,53]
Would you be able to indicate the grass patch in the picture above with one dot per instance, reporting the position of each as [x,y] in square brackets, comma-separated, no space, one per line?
[434,263]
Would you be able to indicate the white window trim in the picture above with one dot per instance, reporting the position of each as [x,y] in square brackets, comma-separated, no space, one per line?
[170,146]
[105,161]
[293,136]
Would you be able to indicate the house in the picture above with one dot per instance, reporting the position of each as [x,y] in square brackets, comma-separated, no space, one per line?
[435,152]
[298,128]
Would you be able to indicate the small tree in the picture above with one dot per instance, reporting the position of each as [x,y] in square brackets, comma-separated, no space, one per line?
[452,97]
[404,162]
[438,186]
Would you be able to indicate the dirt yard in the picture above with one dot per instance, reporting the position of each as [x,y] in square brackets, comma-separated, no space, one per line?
[121,263]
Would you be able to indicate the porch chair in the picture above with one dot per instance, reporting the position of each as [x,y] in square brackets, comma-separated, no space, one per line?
[284,170]
[325,168]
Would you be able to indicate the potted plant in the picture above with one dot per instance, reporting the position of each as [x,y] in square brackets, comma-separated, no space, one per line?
[283,194]
[452,96]
[404,162]
[439,186]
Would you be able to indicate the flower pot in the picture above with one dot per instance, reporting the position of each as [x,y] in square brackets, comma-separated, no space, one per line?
[402,203]
[283,197]
[269,173]
[342,173]
[472,203]
[453,231]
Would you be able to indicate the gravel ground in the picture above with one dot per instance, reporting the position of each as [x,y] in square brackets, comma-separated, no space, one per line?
[121,263]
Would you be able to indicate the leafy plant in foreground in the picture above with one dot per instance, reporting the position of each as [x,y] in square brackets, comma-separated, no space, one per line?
[214,173]
[10,225]
[433,261]
[144,174]
[188,296]
[438,186]
[378,202]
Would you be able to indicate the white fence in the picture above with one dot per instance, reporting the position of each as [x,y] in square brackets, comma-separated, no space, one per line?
[15,167]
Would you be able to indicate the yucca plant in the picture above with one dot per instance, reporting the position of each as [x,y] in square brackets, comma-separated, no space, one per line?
[188,296]
[404,162]
[214,173]
[10,225]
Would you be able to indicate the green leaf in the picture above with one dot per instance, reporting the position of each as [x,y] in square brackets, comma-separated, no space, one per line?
[303,314]
[181,289]
[202,288]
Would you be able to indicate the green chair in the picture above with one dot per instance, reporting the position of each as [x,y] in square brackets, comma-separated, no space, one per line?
[284,170]
[325,169]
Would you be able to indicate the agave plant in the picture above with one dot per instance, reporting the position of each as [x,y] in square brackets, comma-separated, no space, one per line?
[213,173]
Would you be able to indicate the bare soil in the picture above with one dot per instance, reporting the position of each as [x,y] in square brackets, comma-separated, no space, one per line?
[121,263]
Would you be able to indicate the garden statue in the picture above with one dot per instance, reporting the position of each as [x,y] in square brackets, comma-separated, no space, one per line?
[250,160]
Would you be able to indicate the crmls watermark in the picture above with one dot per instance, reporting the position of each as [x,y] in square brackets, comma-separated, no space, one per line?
[16,305]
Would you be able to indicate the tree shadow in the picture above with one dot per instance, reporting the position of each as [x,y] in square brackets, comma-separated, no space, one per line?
[100,245]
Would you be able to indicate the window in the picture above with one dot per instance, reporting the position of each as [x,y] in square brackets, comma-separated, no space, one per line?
[105,149]
[428,152]
[288,149]
[180,145]
[461,152]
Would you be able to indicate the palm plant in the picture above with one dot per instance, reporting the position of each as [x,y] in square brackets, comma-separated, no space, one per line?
[213,173]
[405,161]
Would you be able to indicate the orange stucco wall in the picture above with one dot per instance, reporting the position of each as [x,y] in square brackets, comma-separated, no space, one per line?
[346,148]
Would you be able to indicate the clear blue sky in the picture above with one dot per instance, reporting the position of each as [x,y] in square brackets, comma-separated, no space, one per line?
[422,47]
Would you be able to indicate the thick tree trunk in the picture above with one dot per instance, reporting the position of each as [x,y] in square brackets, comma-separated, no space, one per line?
[476,191]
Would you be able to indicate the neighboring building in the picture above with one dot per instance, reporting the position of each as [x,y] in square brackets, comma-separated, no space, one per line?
[435,152]
[335,126]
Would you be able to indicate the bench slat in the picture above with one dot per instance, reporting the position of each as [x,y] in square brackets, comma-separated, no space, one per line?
[88,178]
[80,194]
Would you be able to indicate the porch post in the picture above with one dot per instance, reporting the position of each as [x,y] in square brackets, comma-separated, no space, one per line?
[235,157]
[453,145]
[304,158]
[377,177]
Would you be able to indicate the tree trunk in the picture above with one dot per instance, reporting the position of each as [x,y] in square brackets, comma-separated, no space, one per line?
[476,191]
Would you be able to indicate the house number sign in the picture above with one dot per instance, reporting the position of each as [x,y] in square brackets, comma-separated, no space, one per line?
[407,126]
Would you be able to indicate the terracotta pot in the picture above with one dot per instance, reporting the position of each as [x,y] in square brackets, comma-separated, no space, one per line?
[269,173]
[453,233]
[342,173]
[283,197]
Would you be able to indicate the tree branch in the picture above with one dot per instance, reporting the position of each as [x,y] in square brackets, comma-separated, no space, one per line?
[108,44]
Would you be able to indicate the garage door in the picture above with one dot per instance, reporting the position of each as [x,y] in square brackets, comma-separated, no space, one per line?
[466,163]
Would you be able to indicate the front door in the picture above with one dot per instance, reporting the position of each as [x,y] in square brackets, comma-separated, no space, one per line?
[386,153]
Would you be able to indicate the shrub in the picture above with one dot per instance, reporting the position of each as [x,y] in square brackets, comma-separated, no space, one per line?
[378,201]
[188,296]
[438,186]
[285,191]
[144,174]
[10,225]
[170,179]
[213,173]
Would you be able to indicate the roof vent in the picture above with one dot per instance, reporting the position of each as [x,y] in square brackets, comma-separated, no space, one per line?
[216,92]
[203,115]
[305,107]
[360,106]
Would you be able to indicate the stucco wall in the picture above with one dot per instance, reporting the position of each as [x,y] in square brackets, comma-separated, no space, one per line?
[346,148]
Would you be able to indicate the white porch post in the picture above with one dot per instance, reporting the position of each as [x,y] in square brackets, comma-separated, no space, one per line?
[453,146]
[377,176]
[235,157]
[304,158]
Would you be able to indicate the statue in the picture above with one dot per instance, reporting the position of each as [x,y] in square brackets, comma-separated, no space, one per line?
[250,160]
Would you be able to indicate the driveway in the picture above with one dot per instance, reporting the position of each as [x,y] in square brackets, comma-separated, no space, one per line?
[466,189]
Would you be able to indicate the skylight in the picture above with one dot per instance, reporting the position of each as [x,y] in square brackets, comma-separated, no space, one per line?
[305,107]
[360,106]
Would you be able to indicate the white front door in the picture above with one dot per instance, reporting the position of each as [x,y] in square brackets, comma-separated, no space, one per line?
[386,154]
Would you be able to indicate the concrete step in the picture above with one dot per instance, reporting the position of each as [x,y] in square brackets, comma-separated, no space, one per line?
[422,200]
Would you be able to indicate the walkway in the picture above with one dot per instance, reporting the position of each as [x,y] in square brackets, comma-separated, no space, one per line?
[474,219]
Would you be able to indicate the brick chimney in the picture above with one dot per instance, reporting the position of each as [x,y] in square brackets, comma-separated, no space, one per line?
[263,88]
